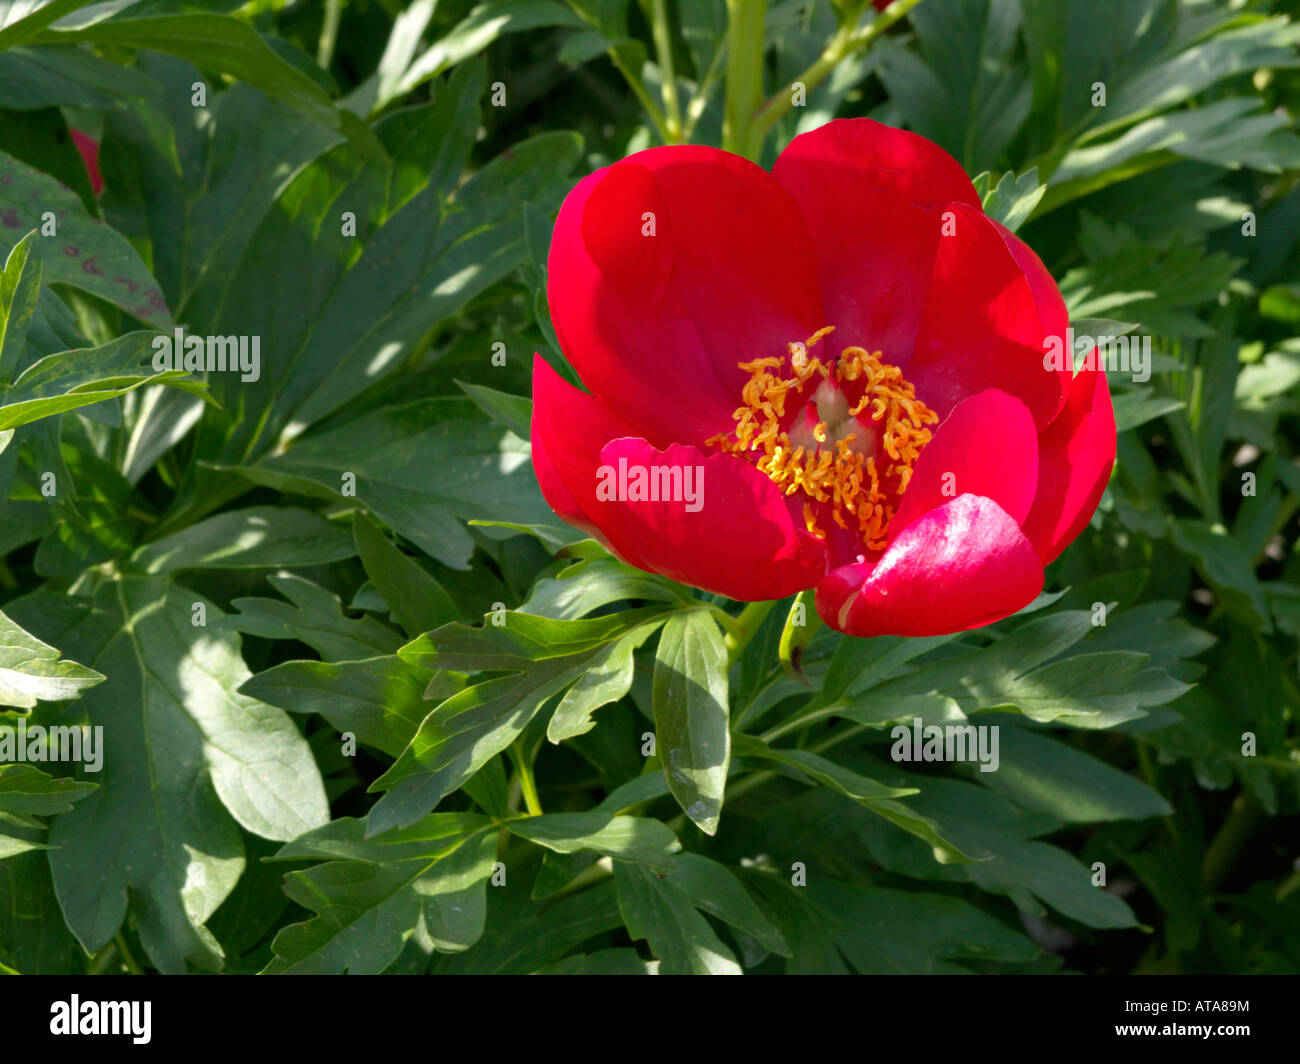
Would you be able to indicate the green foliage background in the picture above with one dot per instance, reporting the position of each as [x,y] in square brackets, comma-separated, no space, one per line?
[273,595]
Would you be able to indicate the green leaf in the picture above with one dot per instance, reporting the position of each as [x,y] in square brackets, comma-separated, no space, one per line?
[868,792]
[1083,690]
[73,379]
[1140,406]
[606,680]
[1040,773]
[897,932]
[714,888]
[261,537]
[691,713]
[587,585]
[185,761]
[480,28]
[380,700]
[967,89]
[515,412]
[527,935]
[1234,132]
[482,471]
[1226,568]
[429,839]
[1013,199]
[87,254]
[36,78]
[628,838]
[1009,860]
[20,285]
[27,790]
[348,310]
[1281,302]
[659,912]
[20,21]
[624,961]
[418,602]
[222,43]
[313,616]
[30,671]
[467,729]
[425,884]
[33,936]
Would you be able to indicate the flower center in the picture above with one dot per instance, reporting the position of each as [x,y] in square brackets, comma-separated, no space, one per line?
[849,449]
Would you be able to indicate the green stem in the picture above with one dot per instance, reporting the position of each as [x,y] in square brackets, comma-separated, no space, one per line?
[527,782]
[700,100]
[664,49]
[847,40]
[750,620]
[646,101]
[329,33]
[102,961]
[795,723]
[597,872]
[120,941]
[746,20]
[1230,839]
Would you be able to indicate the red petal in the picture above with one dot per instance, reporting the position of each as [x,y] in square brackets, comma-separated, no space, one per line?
[989,446]
[872,196]
[569,428]
[990,308]
[1075,456]
[741,541]
[962,565]
[655,325]
[89,149]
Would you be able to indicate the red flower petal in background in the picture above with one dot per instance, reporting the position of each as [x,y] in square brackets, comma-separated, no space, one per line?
[848,352]
[89,148]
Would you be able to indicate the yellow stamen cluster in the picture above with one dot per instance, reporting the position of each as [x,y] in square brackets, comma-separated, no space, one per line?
[829,471]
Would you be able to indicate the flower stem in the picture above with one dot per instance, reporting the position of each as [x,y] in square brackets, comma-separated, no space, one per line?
[664,49]
[127,958]
[652,110]
[700,100]
[750,620]
[528,784]
[746,19]
[329,33]
[1230,839]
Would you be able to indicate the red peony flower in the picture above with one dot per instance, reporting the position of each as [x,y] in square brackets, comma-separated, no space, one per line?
[89,148]
[828,376]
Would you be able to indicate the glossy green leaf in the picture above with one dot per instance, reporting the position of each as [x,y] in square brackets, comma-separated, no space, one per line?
[636,839]
[691,715]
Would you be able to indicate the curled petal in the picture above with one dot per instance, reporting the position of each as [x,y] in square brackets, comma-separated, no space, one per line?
[961,565]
